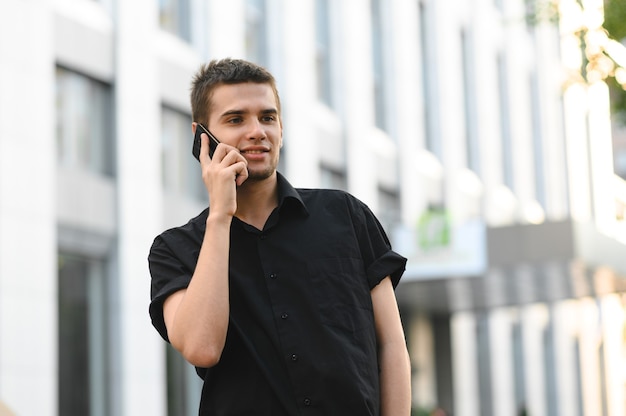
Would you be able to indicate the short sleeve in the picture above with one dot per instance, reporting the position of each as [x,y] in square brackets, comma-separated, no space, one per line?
[169,275]
[379,258]
[172,261]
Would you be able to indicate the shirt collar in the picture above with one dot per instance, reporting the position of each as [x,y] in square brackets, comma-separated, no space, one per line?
[288,196]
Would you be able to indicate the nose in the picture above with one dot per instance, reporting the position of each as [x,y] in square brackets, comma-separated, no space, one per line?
[256,132]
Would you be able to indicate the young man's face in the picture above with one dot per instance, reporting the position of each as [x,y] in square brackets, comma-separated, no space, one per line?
[246,117]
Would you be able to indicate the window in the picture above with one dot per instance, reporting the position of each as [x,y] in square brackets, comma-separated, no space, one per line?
[181,171]
[184,387]
[519,369]
[323,52]
[174,17]
[535,111]
[82,354]
[505,123]
[484,363]
[620,161]
[256,31]
[378,62]
[469,104]
[550,370]
[84,129]
[332,178]
[389,208]
[429,95]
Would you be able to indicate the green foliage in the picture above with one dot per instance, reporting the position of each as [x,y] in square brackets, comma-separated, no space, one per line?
[615,24]
[618,101]
[615,18]
[420,412]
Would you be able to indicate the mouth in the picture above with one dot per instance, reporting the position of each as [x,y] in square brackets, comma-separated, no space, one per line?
[256,154]
[254,150]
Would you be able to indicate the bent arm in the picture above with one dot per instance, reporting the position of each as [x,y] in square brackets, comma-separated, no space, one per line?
[393,357]
[197,317]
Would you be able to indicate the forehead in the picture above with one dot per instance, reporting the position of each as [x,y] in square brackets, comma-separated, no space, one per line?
[227,97]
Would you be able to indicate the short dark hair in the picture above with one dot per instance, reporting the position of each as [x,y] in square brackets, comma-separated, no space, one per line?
[221,72]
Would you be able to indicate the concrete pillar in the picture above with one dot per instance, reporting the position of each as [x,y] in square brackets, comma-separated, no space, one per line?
[590,340]
[534,320]
[464,365]
[302,167]
[358,92]
[141,361]
[28,308]
[502,375]
[614,361]
[565,357]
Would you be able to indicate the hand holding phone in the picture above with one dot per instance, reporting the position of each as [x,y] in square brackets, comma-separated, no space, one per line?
[213,142]
[241,176]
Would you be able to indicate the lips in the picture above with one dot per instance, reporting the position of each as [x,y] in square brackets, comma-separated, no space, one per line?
[255,150]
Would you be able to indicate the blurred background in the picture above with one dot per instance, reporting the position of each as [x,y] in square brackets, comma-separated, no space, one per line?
[487,135]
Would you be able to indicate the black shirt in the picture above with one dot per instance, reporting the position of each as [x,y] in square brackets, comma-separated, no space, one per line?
[301,337]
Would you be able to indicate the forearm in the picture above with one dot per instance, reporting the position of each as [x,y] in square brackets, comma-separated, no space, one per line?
[200,321]
[395,380]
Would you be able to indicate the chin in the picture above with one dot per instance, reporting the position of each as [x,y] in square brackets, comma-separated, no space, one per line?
[260,175]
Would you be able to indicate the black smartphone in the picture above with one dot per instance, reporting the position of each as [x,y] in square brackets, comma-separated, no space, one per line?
[213,142]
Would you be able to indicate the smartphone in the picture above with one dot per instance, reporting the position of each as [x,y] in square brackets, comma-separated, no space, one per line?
[213,142]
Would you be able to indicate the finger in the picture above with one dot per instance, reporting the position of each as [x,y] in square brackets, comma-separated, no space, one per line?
[241,173]
[222,151]
[204,147]
[228,155]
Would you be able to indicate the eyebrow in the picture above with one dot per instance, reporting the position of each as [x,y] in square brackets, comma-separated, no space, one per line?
[241,112]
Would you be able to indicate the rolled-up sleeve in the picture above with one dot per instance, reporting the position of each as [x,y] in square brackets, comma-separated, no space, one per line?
[169,275]
[379,258]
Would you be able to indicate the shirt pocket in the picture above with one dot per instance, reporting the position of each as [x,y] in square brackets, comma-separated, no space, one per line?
[341,292]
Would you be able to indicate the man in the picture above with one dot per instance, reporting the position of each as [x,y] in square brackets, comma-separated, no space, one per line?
[282,298]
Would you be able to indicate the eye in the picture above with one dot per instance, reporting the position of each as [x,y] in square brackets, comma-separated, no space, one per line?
[234,120]
[268,119]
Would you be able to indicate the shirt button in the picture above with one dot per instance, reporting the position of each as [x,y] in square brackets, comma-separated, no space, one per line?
[307,401]
[284,315]
[262,236]
[294,357]
[274,276]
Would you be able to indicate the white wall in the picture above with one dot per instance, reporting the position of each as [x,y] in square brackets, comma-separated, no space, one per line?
[28,360]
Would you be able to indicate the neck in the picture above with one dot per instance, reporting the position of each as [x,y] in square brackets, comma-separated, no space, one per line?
[256,200]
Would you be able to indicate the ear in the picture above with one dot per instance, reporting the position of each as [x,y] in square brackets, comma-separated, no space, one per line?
[194,126]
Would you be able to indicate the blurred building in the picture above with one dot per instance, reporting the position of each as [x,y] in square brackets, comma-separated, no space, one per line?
[465,125]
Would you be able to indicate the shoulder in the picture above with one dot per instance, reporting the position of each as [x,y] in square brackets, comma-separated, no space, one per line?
[191,232]
[337,202]
[328,197]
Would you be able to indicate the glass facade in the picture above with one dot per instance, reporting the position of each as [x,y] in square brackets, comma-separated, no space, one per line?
[84,128]
[180,170]
[174,17]
[256,32]
[505,122]
[469,102]
[183,385]
[83,329]
[323,62]
[432,141]
[389,208]
[333,178]
[378,65]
